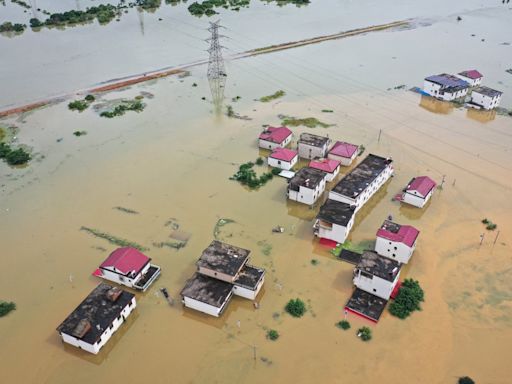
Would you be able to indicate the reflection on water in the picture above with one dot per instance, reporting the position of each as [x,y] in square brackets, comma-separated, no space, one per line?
[481,116]
[437,106]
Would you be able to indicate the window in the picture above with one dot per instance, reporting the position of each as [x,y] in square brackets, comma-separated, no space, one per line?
[374,290]
[394,255]
[396,248]
[279,162]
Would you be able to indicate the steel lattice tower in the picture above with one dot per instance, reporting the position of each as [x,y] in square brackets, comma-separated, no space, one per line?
[216,71]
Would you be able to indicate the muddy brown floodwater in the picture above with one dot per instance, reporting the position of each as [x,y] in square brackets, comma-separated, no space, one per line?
[173,161]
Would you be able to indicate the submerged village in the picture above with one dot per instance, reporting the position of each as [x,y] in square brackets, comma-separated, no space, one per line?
[299,204]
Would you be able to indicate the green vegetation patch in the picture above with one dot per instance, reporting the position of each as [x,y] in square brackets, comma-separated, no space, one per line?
[103,13]
[489,225]
[13,156]
[220,223]
[266,248]
[81,105]
[247,176]
[80,133]
[327,111]
[408,300]
[114,239]
[296,308]
[208,7]
[126,210]
[348,245]
[10,27]
[170,244]
[364,333]
[6,307]
[343,324]
[272,334]
[126,105]
[465,380]
[314,262]
[361,150]
[310,122]
[275,95]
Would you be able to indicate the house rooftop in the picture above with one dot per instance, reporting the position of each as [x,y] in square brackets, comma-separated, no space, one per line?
[487,91]
[405,234]
[379,266]
[343,149]
[283,154]
[223,258]
[126,260]
[336,212]
[471,74]
[447,80]
[249,277]
[325,165]
[306,177]
[96,313]
[207,290]
[421,184]
[361,176]
[366,304]
[275,134]
[313,140]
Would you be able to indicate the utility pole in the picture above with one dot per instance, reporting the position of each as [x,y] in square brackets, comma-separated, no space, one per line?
[216,71]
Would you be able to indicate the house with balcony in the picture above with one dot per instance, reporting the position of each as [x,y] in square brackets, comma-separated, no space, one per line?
[396,241]
[334,221]
[306,186]
[376,274]
[312,146]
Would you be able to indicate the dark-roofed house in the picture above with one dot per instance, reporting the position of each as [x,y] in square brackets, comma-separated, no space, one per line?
[312,146]
[445,87]
[130,267]
[376,274]
[334,221]
[472,77]
[396,241]
[275,137]
[418,191]
[307,185]
[222,271]
[94,321]
[485,97]
[363,181]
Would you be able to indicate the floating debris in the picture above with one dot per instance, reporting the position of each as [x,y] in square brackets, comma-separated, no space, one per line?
[278,229]
[173,223]
[169,299]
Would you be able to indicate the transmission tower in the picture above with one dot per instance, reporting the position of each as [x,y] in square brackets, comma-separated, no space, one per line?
[216,71]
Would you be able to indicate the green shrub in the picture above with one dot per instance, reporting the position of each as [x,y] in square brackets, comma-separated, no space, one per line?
[314,262]
[259,161]
[17,157]
[296,307]
[343,324]
[78,105]
[466,380]
[491,226]
[4,150]
[89,98]
[272,334]
[485,221]
[276,171]
[80,133]
[6,307]
[364,333]
[35,23]
[408,299]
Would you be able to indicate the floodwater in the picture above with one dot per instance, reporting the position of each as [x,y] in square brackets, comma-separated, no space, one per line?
[173,161]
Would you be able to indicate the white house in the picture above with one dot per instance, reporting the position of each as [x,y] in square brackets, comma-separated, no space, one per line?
[376,274]
[334,221]
[445,87]
[128,266]
[306,186]
[329,166]
[274,137]
[360,184]
[418,191]
[207,294]
[312,146]
[485,97]
[283,158]
[97,318]
[249,282]
[344,152]
[396,241]
[472,77]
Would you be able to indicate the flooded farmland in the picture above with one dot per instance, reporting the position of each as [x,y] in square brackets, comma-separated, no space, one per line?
[171,163]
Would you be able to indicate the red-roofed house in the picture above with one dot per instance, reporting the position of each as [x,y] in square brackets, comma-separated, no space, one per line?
[472,77]
[274,137]
[130,267]
[283,158]
[344,152]
[330,167]
[396,241]
[418,191]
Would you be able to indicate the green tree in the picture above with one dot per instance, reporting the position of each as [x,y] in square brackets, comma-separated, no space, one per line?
[296,307]
[408,299]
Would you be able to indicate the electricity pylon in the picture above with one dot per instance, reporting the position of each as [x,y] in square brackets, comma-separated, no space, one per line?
[216,71]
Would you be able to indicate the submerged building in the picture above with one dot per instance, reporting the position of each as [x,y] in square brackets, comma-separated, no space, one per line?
[396,241]
[376,274]
[312,146]
[307,185]
[334,221]
[445,87]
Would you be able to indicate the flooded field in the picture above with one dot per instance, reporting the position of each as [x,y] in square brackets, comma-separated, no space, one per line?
[173,161]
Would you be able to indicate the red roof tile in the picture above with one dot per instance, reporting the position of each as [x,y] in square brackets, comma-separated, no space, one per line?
[343,149]
[472,74]
[283,154]
[126,260]
[406,235]
[422,184]
[275,134]
[326,165]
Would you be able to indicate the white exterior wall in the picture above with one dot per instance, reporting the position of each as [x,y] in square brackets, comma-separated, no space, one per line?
[414,198]
[471,82]
[394,250]
[106,335]
[376,286]
[123,280]
[331,176]
[307,195]
[271,145]
[310,152]
[203,307]
[435,90]
[485,101]
[345,161]
[338,233]
[455,95]
[248,293]
[287,165]
[431,88]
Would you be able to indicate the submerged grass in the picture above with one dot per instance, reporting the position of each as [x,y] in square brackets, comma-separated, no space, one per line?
[113,239]
[126,210]
[220,223]
[171,244]
[359,247]
[310,122]
[275,95]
